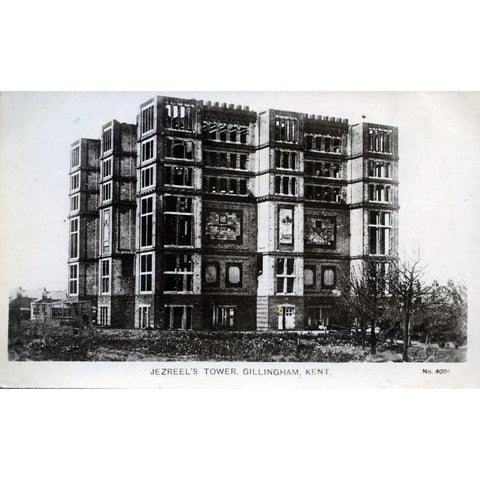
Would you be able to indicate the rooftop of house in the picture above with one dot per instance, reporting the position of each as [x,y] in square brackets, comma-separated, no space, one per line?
[38,294]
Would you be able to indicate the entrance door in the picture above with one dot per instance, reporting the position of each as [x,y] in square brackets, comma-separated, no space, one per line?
[289,318]
[286,318]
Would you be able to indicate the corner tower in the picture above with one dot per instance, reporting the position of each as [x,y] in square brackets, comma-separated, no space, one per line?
[117,208]
[373,195]
[83,220]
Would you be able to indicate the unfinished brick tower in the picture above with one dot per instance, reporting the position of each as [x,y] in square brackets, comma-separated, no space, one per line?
[239,220]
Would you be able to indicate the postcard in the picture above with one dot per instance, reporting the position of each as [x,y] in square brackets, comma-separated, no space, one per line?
[229,239]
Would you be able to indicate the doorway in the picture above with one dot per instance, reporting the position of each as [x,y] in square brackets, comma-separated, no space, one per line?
[286,317]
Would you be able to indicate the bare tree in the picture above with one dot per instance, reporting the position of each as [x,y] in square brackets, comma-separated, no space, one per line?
[362,292]
[457,303]
[398,293]
[446,320]
[412,294]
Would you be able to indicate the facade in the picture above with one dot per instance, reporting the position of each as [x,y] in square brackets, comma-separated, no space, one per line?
[212,216]
[117,218]
[83,220]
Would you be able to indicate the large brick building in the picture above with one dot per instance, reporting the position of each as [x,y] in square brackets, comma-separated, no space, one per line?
[211,216]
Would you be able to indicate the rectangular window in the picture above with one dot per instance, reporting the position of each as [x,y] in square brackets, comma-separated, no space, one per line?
[328,277]
[243,162]
[317,318]
[146,272]
[324,193]
[309,142]
[147,177]
[148,150]
[323,169]
[212,274]
[278,184]
[222,160]
[75,203]
[380,140]
[232,161]
[243,134]
[309,279]
[243,187]
[73,280]
[106,192]
[104,317]
[147,119]
[210,158]
[285,185]
[74,237]
[178,204]
[211,184]
[178,176]
[223,317]
[179,116]
[324,143]
[145,319]
[336,143]
[285,160]
[379,193]
[379,169]
[327,142]
[285,273]
[232,136]
[178,221]
[286,129]
[225,185]
[210,130]
[178,230]
[106,168]
[310,192]
[178,317]
[107,139]
[225,132]
[178,273]
[379,232]
[232,188]
[75,157]
[179,149]
[234,275]
[75,181]
[379,276]
[222,129]
[146,221]
[105,276]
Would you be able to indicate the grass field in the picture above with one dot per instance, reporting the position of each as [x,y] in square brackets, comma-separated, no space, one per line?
[41,343]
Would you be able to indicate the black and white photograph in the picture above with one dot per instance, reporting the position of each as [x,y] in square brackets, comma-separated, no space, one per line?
[248,234]
[239,240]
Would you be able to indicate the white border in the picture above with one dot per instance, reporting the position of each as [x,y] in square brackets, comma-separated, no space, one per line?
[354,434]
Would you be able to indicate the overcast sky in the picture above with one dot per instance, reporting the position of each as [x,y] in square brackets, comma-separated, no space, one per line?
[439,173]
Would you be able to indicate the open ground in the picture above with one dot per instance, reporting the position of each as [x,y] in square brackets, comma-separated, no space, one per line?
[65,343]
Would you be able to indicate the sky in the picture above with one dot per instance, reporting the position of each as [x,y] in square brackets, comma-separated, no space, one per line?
[439,176]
